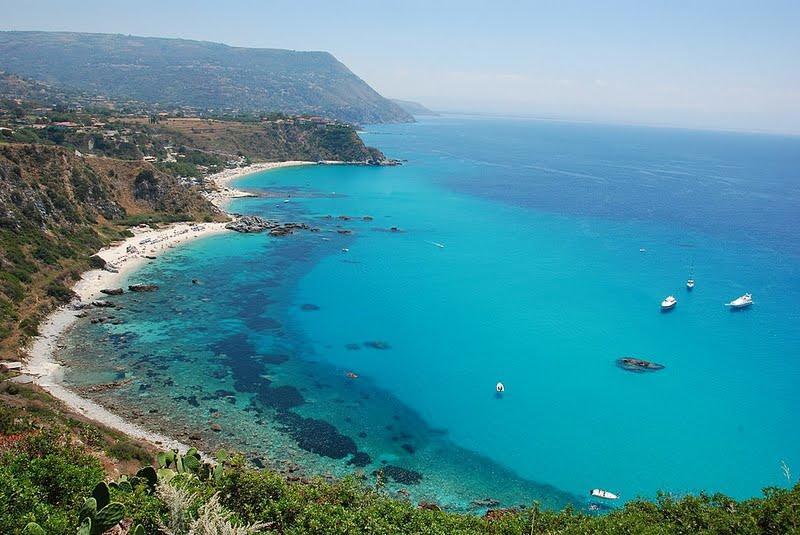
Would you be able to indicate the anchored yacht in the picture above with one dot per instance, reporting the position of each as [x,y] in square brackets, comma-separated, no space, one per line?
[741,302]
[669,303]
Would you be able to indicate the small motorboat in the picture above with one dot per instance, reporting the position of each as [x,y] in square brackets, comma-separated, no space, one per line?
[690,284]
[669,303]
[741,302]
[351,375]
[437,244]
[638,365]
[500,388]
[600,493]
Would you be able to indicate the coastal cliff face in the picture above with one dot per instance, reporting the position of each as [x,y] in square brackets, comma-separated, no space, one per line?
[56,210]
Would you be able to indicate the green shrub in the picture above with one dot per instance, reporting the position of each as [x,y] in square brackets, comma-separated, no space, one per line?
[44,480]
[124,450]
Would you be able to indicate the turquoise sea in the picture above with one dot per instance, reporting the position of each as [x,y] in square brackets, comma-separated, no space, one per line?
[559,242]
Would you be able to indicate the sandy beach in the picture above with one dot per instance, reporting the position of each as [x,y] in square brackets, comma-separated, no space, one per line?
[122,259]
[222,180]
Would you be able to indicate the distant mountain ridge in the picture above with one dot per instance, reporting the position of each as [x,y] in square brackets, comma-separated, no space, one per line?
[414,108]
[199,74]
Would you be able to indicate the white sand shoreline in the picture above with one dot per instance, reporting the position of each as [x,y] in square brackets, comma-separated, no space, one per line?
[125,257]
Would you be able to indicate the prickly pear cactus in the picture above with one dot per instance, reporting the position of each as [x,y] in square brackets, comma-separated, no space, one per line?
[86,527]
[101,495]
[148,473]
[108,517]
[32,528]
[88,510]
[165,474]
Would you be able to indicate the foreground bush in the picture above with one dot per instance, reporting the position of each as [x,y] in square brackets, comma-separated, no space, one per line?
[46,478]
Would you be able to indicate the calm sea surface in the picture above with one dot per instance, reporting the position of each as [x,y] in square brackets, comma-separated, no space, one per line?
[559,242]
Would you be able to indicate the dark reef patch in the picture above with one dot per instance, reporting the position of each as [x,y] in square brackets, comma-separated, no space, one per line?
[309,307]
[274,358]
[261,323]
[246,369]
[281,397]
[399,475]
[316,436]
[360,459]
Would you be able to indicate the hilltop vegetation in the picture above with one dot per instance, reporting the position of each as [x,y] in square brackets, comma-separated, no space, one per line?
[203,75]
[277,138]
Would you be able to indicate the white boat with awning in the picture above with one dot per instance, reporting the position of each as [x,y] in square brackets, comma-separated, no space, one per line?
[741,302]
[606,495]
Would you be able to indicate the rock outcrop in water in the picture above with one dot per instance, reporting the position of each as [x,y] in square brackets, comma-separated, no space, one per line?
[254,223]
[112,291]
[143,287]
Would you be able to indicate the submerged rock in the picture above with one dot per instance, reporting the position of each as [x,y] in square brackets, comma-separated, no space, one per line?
[377,344]
[308,307]
[486,502]
[103,304]
[637,365]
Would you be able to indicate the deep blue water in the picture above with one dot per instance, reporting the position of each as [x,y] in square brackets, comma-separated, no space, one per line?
[540,284]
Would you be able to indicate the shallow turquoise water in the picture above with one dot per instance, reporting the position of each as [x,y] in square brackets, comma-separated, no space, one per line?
[540,284]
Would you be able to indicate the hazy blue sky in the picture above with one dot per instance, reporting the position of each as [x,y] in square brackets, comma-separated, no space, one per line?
[716,63]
